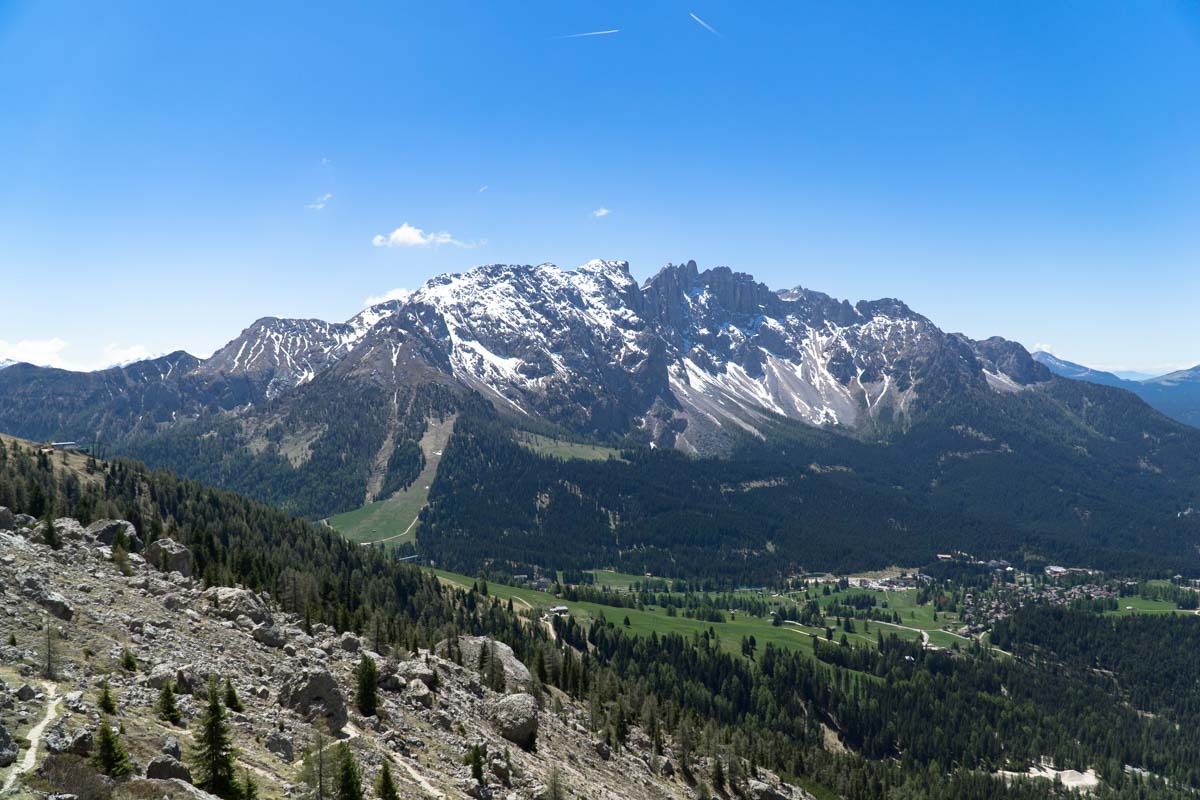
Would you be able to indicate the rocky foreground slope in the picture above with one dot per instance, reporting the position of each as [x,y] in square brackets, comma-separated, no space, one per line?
[102,607]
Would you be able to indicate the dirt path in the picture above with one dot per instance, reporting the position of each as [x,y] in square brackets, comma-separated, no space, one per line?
[35,737]
[420,779]
[411,525]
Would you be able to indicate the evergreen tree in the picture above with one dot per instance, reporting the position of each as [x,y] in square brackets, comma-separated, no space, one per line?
[106,702]
[214,752]
[232,702]
[367,696]
[249,787]
[110,758]
[385,787]
[166,705]
[128,662]
[349,781]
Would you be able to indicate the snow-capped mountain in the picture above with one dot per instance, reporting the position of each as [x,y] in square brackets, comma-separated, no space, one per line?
[688,359]
[685,360]
[6,362]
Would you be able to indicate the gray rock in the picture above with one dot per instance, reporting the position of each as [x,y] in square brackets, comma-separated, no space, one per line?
[169,555]
[281,746]
[602,749]
[171,748]
[74,701]
[165,768]
[26,693]
[35,589]
[60,739]
[419,693]
[416,670]
[757,790]
[515,717]
[65,528]
[349,642]
[8,748]
[104,530]
[8,520]
[232,603]
[516,674]
[314,693]
[270,635]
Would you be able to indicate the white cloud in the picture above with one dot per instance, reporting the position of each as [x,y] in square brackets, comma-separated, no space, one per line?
[394,294]
[43,352]
[117,356]
[1043,347]
[483,188]
[411,236]
[704,24]
[601,212]
[320,202]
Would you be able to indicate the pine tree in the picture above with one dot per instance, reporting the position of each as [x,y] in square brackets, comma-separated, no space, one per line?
[128,662]
[385,787]
[166,705]
[50,535]
[231,698]
[106,702]
[349,781]
[475,762]
[367,697]
[249,787]
[214,752]
[111,758]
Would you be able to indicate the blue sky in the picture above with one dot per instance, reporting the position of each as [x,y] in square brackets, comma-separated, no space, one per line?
[169,172]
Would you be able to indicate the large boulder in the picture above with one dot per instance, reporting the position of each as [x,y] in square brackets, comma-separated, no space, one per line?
[165,768]
[62,739]
[397,676]
[37,590]
[169,556]
[282,746]
[515,717]
[232,603]
[8,748]
[758,790]
[69,528]
[418,692]
[314,693]
[516,674]
[270,635]
[106,530]
[8,520]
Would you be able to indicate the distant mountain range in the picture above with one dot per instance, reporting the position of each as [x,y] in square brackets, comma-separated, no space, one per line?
[899,437]
[1176,394]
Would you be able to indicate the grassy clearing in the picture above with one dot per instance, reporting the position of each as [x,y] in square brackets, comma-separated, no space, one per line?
[622,581]
[655,620]
[560,448]
[394,520]
[1128,606]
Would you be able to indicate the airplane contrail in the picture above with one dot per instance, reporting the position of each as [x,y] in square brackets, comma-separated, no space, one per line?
[590,33]
[704,24]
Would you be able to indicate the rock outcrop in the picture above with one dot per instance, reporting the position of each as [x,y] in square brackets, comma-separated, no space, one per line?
[313,693]
[516,718]
[169,556]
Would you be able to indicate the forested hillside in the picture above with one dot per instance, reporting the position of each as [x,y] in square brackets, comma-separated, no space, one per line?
[914,723]
[1072,473]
